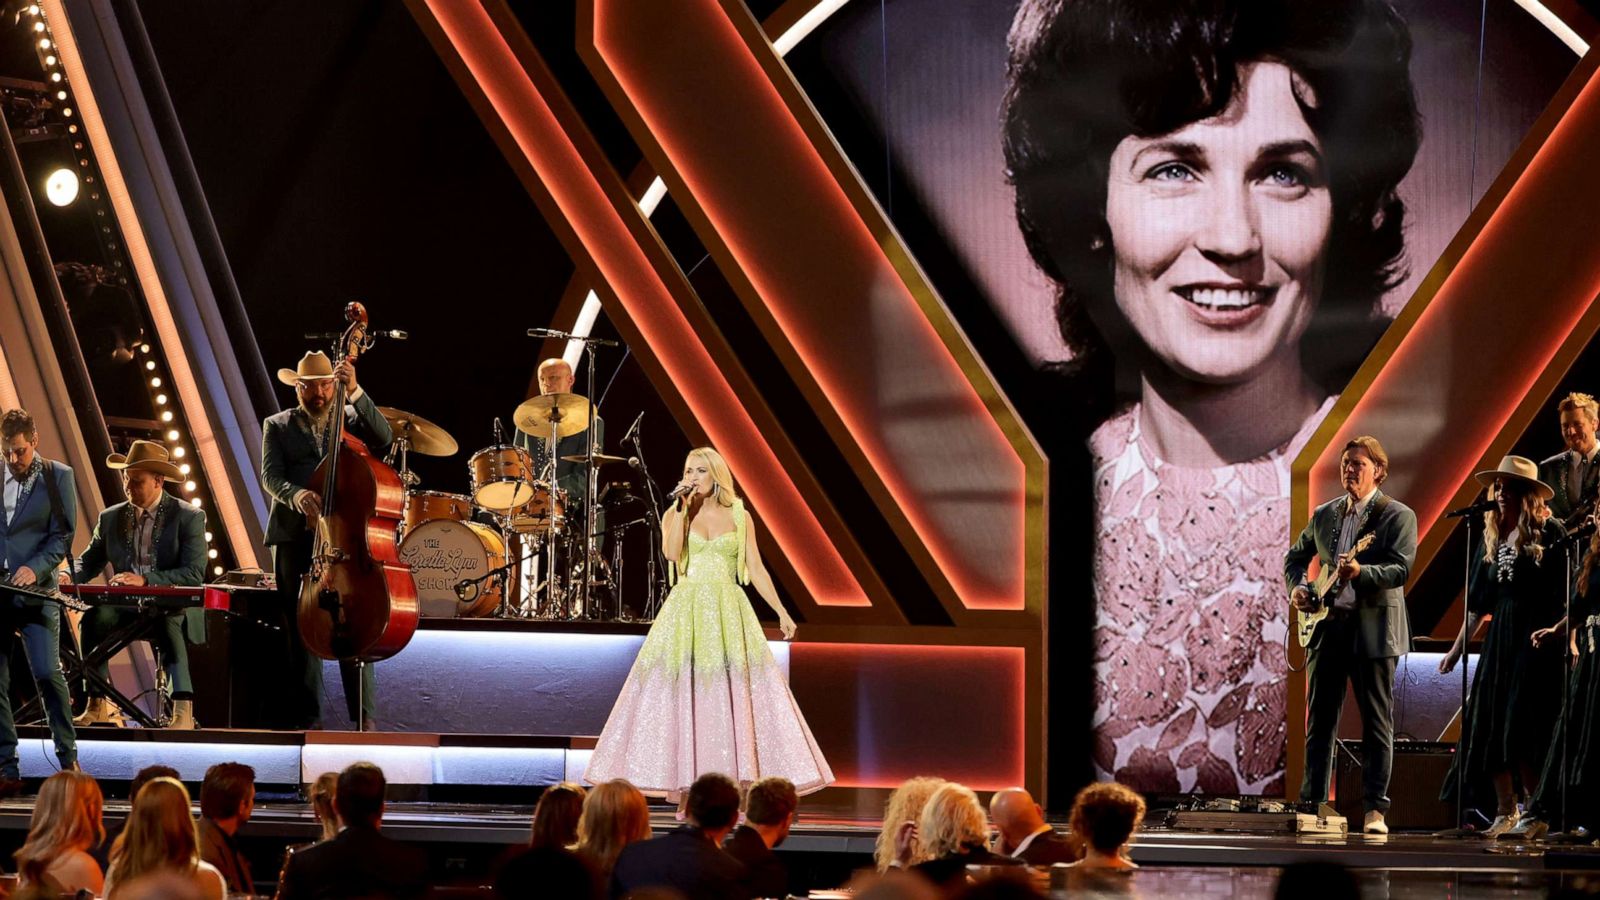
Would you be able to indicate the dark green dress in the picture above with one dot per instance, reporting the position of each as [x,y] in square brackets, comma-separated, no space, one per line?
[1580,723]
[1516,689]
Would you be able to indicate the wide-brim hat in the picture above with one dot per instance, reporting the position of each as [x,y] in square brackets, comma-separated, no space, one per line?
[314,366]
[1518,468]
[147,455]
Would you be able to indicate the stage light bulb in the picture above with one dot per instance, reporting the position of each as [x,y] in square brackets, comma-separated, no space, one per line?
[161,399]
[61,188]
[66,112]
[172,435]
[190,486]
[33,10]
[61,95]
[44,43]
[49,60]
[38,26]
[194,501]
[151,365]
[217,571]
[155,382]
[183,469]
[179,452]
[166,416]
[55,76]
[212,553]
[208,537]
[144,348]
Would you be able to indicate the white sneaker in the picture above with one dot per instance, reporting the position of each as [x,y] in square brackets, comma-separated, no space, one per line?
[1374,824]
[1500,825]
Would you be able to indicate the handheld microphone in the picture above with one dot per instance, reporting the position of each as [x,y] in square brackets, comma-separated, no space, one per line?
[1479,507]
[682,490]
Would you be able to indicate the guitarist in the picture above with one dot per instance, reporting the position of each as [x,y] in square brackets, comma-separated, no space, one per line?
[293,443]
[1366,630]
[1572,473]
[38,515]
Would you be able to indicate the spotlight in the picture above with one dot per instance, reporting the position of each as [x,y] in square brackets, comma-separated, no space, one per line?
[61,188]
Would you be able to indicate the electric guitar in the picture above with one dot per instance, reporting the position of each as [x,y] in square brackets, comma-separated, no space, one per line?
[1324,590]
[37,595]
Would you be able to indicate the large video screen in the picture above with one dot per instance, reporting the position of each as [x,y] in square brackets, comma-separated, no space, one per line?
[1191,222]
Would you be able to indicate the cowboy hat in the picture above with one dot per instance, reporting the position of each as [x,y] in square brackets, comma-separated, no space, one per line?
[147,455]
[1520,469]
[314,366]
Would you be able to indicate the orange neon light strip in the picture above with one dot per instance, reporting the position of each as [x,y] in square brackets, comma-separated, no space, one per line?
[201,433]
[605,236]
[1531,205]
[985,574]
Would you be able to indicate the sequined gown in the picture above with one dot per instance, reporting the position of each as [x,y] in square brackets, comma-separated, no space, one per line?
[705,693]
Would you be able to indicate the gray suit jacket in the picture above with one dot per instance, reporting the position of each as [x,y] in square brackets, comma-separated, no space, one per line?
[34,538]
[180,551]
[289,457]
[1383,629]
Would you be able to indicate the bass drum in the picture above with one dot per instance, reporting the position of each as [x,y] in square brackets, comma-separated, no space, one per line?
[443,553]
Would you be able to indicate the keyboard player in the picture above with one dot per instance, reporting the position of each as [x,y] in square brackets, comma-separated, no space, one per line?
[154,539]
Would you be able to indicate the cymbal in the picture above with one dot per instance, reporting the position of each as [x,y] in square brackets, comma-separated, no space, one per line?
[569,412]
[422,436]
[601,458]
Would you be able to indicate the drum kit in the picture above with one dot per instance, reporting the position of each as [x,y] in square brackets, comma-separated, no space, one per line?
[516,545]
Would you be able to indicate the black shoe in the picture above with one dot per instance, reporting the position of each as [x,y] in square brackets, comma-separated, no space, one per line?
[10,787]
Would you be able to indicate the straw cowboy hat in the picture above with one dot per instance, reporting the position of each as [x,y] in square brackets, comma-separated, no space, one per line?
[1521,469]
[314,366]
[147,455]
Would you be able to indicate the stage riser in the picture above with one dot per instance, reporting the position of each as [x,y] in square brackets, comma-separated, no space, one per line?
[293,764]
[481,682]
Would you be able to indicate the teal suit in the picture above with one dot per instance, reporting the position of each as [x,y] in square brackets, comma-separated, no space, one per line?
[38,537]
[179,560]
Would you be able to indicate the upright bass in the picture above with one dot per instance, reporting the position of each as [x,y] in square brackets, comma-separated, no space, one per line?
[358,601]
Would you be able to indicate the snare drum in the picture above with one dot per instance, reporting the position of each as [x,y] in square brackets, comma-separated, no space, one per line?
[502,478]
[443,553]
[545,512]
[425,506]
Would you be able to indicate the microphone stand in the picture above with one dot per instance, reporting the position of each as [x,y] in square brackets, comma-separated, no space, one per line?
[1461,831]
[657,564]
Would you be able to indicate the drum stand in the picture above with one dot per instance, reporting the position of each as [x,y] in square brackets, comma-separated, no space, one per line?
[401,449]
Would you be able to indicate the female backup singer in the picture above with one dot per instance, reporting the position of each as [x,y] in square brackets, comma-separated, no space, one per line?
[1519,580]
[705,694]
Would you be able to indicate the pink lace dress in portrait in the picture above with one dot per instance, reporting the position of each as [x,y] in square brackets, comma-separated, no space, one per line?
[1189,658]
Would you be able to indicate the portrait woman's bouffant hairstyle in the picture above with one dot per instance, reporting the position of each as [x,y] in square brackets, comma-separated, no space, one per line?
[1084,74]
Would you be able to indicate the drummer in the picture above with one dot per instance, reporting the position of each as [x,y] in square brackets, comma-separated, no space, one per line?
[555,377]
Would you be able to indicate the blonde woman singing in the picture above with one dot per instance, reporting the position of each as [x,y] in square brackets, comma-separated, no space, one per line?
[705,694]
